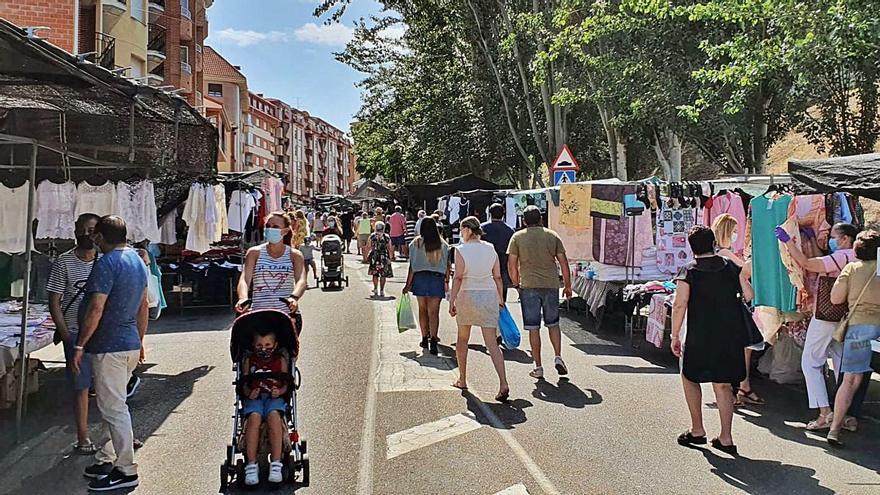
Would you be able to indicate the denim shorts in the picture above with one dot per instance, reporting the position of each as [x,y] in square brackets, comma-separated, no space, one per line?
[83,379]
[428,284]
[263,406]
[857,351]
[534,302]
[399,241]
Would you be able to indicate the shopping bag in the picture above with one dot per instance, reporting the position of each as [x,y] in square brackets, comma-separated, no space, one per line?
[509,331]
[405,318]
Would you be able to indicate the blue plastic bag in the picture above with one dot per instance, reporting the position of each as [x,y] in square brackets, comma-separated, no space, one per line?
[509,331]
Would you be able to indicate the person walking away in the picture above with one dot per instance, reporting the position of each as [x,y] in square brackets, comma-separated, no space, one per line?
[113,320]
[498,234]
[66,288]
[708,296]
[364,229]
[380,258]
[476,300]
[397,229]
[726,230]
[346,220]
[819,344]
[307,248]
[319,225]
[859,286]
[300,228]
[411,233]
[419,216]
[533,255]
[428,280]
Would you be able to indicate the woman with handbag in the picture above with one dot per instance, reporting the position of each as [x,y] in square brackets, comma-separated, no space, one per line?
[858,286]
[826,315]
[428,280]
[708,295]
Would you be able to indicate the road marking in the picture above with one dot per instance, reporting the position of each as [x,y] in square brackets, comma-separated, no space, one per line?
[430,433]
[518,450]
[365,473]
[517,489]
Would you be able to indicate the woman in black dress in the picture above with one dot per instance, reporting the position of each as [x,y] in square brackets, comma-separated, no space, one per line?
[708,295]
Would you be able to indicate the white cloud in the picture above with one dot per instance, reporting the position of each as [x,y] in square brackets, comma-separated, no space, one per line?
[335,34]
[394,32]
[247,37]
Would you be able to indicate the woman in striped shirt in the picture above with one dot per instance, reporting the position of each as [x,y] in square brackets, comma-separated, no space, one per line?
[274,274]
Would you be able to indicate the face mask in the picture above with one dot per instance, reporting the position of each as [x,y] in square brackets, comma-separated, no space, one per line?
[832,244]
[264,353]
[733,237]
[85,242]
[273,235]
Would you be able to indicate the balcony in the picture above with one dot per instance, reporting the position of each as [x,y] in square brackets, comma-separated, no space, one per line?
[105,51]
[186,23]
[115,7]
[156,46]
[156,77]
[156,9]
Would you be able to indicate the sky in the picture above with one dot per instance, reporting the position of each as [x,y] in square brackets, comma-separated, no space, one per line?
[287,53]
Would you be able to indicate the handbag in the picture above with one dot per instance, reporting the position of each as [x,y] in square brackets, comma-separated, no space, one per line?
[751,334]
[509,331]
[825,309]
[840,331]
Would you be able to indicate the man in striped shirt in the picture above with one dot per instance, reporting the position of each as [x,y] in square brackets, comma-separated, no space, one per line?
[66,288]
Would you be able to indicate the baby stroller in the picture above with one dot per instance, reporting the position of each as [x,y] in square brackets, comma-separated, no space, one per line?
[332,268]
[296,458]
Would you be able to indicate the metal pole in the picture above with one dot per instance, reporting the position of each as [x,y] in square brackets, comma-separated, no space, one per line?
[27,294]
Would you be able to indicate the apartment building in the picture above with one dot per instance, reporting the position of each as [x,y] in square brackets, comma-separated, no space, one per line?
[290,146]
[154,41]
[328,157]
[261,121]
[225,83]
[216,113]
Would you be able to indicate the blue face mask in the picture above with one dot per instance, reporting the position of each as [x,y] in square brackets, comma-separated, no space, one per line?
[832,244]
[274,236]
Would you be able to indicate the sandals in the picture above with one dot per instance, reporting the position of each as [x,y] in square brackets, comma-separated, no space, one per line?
[850,424]
[748,397]
[503,396]
[85,449]
[834,438]
[727,449]
[459,386]
[821,423]
[687,439]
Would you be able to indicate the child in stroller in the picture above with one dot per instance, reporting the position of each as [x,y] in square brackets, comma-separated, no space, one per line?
[264,403]
[264,345]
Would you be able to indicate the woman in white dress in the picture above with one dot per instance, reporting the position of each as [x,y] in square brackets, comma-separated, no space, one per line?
[476,300]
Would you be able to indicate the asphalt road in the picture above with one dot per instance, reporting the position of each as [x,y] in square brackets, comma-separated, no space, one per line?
[381,418]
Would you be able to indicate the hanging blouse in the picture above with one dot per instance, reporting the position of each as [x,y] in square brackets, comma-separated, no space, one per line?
[13,218]
[221,224]
[194,214]
[136,204]
[241,207]
[100,200]
[769,275]
[55,210]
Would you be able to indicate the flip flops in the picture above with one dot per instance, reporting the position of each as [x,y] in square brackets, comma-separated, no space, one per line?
[85,449]
[727,449]
[687,439]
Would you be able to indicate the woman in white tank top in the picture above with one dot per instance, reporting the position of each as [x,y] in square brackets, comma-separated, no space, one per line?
[476,300]
[273,271]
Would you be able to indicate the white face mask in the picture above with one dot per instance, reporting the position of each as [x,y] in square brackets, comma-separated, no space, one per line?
[733,237]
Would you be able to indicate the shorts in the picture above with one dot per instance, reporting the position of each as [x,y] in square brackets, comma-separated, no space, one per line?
[534,302]
[398,241]
[363,239]
[429,284]
[263,406]
[83,379]
[857,351]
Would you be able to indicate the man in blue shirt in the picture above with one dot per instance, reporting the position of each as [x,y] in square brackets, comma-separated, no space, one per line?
[113,319]
[497,233]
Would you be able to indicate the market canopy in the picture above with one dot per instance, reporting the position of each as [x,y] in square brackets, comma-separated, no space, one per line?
[429,193]
[858,175]
[90,123]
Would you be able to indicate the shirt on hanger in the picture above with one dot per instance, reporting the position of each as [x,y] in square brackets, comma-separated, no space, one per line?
[241,207]
[136,204]
[13,218]
[100,200]
[54,213]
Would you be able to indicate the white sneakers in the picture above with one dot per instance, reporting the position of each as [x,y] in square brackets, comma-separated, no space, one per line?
[561,369]
[275,472]
[252,473]
[537,372]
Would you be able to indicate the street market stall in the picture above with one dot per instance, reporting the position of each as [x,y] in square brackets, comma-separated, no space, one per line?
[73,134]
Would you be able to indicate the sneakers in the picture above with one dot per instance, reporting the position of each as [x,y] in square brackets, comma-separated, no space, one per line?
[98,471]
[275,472]
[252,475]
[382,293]
[560,366]
[113,481]
[537,373]
[133,383]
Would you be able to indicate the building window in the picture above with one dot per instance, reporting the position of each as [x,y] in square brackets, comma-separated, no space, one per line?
[184,9]
[138,12]
[215,90]
[184,60]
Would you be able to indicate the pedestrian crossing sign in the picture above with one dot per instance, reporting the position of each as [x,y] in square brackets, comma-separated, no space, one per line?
[563,177]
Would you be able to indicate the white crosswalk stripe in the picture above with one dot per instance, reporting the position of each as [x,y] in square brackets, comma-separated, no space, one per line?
[430,433]
[517,489]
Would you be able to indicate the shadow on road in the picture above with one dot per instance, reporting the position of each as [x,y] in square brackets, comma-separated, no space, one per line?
[751,475]
[511,413]
[427,360]
[625,368]
[566,393]
[48,463]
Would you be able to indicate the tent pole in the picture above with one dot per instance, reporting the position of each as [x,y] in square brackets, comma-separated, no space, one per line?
[19,406]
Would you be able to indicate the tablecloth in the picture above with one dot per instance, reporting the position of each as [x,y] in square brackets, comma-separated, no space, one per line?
[595,292]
